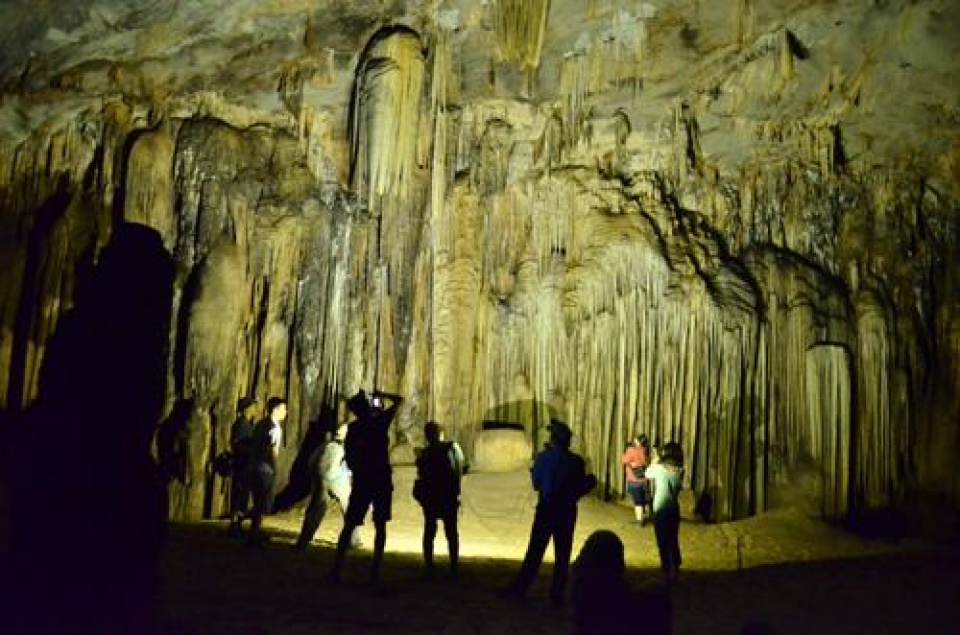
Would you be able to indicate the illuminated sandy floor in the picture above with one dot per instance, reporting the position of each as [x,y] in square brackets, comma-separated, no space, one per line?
[796,574]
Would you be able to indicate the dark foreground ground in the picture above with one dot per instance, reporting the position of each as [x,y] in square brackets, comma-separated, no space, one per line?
[793,574]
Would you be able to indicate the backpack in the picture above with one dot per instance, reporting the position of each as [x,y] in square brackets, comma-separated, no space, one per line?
[438,475]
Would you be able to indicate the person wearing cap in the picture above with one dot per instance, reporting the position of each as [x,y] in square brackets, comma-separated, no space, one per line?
[559,476]
[240,434]
[262,469]
[367,452]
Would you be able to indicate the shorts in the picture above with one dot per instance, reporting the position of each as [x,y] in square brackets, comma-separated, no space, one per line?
[638,492]
[364,495]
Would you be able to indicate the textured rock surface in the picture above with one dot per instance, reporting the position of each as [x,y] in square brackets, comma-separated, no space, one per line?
[733,224]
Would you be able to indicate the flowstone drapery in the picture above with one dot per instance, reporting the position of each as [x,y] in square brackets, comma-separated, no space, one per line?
[731,226]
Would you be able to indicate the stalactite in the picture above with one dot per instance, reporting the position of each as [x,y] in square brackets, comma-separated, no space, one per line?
[520,27]
[385,156]
[879,439]
[830,404]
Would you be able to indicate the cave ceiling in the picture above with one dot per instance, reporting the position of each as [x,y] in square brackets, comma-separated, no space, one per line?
[733,224]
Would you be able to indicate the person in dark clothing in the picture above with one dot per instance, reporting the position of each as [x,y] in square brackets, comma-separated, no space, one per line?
[86,500]
[241,434]
[600,595]
[262,470]
[560,478]
[437,489]
[367,450]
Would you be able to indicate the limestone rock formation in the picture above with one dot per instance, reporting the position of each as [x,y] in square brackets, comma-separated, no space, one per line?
[731,224]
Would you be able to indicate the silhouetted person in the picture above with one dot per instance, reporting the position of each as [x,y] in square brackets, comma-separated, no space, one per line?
[635,461]
[262,471]
[331,480]
[241,437]
[367,448]
[437,489]
[602,599]
[600,596]
[666,480]
[87,500]
[560,478]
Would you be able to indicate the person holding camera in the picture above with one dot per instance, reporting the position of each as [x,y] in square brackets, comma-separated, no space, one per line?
[367,453]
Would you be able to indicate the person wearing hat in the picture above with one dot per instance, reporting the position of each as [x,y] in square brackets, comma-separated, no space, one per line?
[367,452]
[240,434]
[560,478]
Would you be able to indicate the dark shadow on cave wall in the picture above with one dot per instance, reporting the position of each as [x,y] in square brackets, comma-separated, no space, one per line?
[87,502]
[308,455]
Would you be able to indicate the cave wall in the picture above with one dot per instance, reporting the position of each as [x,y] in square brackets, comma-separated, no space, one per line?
[729,224]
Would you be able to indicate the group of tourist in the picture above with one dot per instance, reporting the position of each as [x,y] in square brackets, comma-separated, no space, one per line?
[351,466]
[654,480]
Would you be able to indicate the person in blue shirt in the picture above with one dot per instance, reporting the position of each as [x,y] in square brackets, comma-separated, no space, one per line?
[560,479]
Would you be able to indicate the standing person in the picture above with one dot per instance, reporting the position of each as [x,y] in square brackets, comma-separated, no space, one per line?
[560,478]
[635,461]
[666,479]
[262,469]
[367,450]
[331,479]
[241,433]
[437,489]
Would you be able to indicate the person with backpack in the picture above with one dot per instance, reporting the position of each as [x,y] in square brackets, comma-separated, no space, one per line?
[437,489]
[635,461]
[331,478]
[560,479]
[241,433]
[666,480]
[367,452]
[262,469]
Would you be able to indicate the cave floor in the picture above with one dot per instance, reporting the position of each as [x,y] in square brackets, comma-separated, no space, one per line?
[796,574]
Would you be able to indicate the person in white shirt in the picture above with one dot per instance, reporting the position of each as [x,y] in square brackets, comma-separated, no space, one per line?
[666,480]
[331,479]
[262,471]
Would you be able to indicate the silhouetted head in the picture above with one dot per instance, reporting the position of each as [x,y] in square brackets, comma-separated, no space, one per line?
[245,405]
[432,431]
[277,409]
[672,454]
[642,441]
[560,433]
[358,403]
[601,556]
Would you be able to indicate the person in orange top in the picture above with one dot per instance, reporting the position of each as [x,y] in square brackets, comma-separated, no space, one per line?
[635,461]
